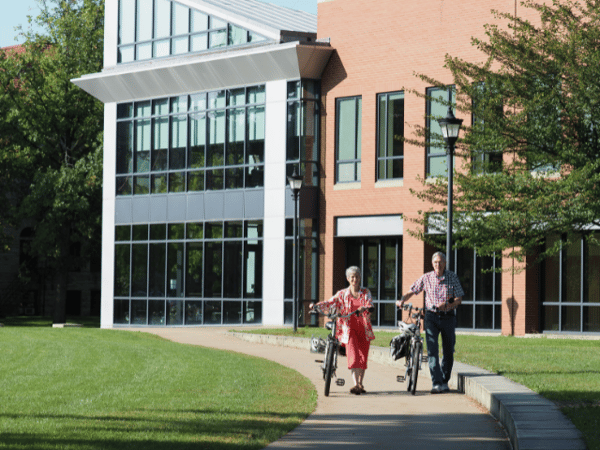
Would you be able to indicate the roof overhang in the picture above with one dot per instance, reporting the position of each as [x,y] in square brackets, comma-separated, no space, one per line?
[194,73]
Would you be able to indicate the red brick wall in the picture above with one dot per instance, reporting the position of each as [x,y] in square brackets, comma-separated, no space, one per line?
[379,45]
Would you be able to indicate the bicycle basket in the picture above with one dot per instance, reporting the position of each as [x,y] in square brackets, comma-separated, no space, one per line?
[317,345]
[399,347]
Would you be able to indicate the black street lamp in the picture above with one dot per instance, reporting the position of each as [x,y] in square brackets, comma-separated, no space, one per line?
[295,185]
[450,126]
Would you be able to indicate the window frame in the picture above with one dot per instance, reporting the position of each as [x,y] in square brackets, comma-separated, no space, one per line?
[387,159]
[356,161]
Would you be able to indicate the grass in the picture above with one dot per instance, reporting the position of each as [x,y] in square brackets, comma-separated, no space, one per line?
[566,371]
[86,388]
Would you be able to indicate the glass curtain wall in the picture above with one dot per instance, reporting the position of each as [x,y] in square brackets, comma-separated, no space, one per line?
[158,28]
[188,273]
[192,143]
[302,155]
[570,293]
[380,261]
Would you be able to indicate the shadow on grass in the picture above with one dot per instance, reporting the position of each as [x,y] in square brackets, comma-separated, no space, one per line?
[228,433]
[46,321]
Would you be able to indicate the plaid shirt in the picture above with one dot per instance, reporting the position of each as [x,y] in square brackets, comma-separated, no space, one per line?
[436,288]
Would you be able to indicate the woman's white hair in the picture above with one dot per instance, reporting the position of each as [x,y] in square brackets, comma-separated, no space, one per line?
[353,269]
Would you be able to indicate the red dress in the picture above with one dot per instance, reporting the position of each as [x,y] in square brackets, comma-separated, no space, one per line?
[357,349]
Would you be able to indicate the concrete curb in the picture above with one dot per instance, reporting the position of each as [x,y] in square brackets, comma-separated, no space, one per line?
[531,421]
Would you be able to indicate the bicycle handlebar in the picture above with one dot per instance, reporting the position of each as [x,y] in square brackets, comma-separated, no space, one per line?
[336,315]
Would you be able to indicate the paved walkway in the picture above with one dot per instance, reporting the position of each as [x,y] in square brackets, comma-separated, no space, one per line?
[387,417]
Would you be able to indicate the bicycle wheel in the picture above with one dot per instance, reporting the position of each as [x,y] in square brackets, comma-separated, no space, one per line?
[417,351]
[408,374]
[331,349]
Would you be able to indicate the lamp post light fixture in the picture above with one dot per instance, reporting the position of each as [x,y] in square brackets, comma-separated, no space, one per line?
[295,181]
[450,127]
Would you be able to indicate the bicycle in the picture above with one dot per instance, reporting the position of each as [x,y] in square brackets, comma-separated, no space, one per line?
[414,353]
[330,347]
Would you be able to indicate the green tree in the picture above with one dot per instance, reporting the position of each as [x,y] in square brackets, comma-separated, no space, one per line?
[51,131]
[535,106]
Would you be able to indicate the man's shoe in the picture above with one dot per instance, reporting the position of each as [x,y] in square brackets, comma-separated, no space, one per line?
[436,389]
[445,388]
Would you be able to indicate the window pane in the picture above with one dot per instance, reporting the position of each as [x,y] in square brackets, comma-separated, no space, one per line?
[124,147]
[193,280]
[347,129]
[212,311]
[178,142]
[195,230]
[232,286]
[195,181]
[591,268]
[157,269]
[591,318]
[216,99]
[438,166]
[199,42]
[293,131]
[371,270]
[255,176]
[234,178]
[217,38]
[552,275]
[197,140]
[388,289]
[253,270]
[175,269]
[235,136]
[162,19]
[551,318]
[464,316]
[158,183]
[256,135]
[199,21]
[214,230]
[252,312]
[176,231]
[347,172]
[572,269]
[122,267]
[121,312]
[237,35]
[144,51]
[571,318]
[216,138]
[193,313]
[142,145]
[124,186]
[181,20]
[126,54]
[174,312]
[156,312]
[395,145]
[215,180]
[122,233]
[161,48]
[214,270]
[484,286]
[158,231]
[180,45]
[484,318]
[139,312]
[126,22]
[144,20]
[160,144]
[217,23]
[256,94]
[139,270]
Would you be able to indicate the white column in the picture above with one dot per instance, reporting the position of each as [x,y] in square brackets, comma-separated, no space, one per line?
[108,216]
[274,221]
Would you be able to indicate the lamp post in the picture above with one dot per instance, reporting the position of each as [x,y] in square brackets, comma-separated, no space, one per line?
[450,127]
[295,181]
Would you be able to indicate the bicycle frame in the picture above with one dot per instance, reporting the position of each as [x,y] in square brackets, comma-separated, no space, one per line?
[415,352]
[329,365]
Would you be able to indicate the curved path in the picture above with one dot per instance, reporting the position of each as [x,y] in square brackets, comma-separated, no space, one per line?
[387,417]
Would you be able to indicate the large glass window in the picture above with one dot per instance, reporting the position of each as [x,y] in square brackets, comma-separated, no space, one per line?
[570,291]
[206,141]
[390,131]
[157,28]
[303,118]
[348,139]
[189,273]
[380,261]
[437,107]
[480,278]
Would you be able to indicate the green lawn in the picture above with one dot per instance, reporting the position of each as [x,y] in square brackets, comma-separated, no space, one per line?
[566,371]
[86,388]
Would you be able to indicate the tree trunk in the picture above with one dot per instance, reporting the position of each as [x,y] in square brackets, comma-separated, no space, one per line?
[62,278]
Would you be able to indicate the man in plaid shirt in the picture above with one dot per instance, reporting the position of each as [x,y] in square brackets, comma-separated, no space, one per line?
[443,293]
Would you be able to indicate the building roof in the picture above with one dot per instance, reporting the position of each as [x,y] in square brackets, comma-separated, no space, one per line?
[264,14]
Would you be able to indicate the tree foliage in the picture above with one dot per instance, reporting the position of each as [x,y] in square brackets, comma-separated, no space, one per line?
[51,133]
[535,104]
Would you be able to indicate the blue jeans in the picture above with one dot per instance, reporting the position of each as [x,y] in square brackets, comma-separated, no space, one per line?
[434,325]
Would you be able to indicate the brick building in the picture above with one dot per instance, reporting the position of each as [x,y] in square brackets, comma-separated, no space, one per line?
[210,104]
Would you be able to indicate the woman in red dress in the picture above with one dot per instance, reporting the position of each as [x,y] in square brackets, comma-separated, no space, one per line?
[355,331]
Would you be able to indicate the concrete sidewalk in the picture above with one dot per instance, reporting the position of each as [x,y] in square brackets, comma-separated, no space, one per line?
[387,417]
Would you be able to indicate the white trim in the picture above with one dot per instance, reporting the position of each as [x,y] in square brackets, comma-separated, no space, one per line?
[369,226]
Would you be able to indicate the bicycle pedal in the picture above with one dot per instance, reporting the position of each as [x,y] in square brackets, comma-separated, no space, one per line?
[340,382]
[424,358]
[320,361]
[400,379]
